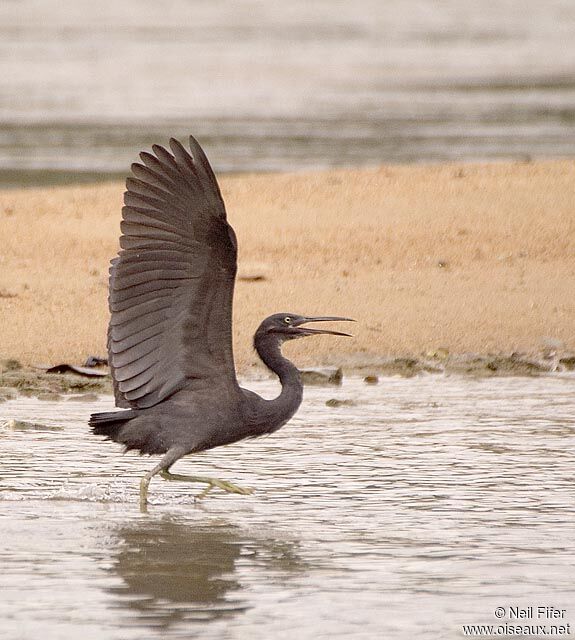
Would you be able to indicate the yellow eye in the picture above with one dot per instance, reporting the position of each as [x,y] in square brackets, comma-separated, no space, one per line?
[287,320]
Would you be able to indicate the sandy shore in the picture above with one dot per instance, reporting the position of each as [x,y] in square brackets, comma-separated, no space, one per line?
[460,258]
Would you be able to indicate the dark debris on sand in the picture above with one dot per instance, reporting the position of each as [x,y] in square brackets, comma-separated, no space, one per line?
[28,381]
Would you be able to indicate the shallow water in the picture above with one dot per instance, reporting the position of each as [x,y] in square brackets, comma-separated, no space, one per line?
[417,510]
[270,86]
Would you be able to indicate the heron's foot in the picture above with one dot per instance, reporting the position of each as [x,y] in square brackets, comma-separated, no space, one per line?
[211,482]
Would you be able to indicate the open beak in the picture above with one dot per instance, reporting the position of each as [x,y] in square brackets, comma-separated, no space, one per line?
[310,332]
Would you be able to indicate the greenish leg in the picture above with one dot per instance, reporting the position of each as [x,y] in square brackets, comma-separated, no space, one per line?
[211,482]
[165,463]
[144,484]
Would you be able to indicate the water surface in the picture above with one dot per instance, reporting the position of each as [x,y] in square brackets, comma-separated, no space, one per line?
[267,85]
[422,507]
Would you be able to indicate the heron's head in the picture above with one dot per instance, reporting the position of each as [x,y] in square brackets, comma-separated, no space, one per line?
[288,326]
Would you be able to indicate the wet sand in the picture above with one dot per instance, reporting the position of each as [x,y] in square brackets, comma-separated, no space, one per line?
[432,260]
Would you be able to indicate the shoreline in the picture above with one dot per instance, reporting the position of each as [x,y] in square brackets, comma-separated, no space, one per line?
[430,259]
[17,381]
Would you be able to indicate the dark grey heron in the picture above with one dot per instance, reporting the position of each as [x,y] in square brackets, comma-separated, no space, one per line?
[170,331]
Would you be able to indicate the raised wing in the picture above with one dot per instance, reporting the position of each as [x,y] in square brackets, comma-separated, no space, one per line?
[171,286]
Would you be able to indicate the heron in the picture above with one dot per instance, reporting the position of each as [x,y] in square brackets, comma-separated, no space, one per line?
[170,331]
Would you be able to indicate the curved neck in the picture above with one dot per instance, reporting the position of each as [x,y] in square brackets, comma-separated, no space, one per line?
[287,403]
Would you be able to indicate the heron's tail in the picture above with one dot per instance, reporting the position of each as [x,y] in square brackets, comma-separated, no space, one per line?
[110,423]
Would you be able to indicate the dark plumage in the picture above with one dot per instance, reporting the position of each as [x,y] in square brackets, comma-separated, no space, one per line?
[170,332]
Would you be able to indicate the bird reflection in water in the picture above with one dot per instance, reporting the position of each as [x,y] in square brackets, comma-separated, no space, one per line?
[174,572]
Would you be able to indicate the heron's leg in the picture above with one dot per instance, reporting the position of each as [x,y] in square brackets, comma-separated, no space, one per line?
[211,482]
[165,463]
